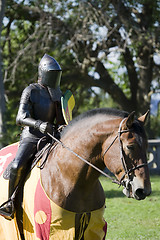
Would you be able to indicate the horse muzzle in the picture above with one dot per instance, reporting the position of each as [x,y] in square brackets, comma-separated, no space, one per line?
[135,189]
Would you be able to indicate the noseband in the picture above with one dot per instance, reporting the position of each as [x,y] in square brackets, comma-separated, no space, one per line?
[126,170]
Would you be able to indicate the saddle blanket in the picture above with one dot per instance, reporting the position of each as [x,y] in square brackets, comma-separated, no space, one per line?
[42,218]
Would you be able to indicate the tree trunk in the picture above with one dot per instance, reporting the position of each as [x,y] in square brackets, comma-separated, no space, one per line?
[2,98]
[145,64]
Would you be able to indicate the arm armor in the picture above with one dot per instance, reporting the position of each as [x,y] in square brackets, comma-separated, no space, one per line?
[25,108]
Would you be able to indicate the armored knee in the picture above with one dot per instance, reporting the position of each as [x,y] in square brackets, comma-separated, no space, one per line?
[14,168]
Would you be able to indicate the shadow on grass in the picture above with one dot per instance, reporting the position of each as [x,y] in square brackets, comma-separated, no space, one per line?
[155,193]
[114,194]
[119,194]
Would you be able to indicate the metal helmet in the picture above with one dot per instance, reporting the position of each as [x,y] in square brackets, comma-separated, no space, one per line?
[49,72]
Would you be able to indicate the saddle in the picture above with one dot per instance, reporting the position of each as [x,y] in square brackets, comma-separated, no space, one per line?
[38,156]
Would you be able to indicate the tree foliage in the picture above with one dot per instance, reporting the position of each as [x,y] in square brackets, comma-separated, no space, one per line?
[2,100]
[110,45]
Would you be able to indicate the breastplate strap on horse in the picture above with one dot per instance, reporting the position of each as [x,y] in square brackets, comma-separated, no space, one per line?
[127,171]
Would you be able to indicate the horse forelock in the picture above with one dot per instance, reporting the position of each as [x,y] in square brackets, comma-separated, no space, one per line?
[139,131]
[94,115]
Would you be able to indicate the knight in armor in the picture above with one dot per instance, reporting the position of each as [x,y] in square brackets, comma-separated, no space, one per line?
[40,112]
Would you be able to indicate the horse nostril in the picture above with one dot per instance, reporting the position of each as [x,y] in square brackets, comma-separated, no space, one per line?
[140,194]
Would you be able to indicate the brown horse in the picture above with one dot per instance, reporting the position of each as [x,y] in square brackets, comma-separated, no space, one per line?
[96,139]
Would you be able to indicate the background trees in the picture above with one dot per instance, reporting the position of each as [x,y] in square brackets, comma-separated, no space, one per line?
[107,50]
[2,101]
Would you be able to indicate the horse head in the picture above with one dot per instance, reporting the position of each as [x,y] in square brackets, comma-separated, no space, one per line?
[128,161]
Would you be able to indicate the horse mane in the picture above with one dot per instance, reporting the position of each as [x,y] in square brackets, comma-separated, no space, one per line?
[110,112]
[94,112]
[104,111]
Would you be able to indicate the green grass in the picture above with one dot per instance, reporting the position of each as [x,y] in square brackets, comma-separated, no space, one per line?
[131,219]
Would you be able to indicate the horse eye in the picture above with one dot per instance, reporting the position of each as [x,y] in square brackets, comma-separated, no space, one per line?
[131,147]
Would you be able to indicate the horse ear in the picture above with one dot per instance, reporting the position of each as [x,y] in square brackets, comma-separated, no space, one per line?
[130,119]
[143,119]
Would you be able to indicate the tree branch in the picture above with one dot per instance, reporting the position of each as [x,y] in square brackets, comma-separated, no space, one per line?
[124,14]
[132,74]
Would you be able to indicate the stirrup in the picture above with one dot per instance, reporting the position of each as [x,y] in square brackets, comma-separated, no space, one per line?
[7,209]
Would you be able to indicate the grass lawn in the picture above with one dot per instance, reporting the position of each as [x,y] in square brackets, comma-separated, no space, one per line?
[128,218]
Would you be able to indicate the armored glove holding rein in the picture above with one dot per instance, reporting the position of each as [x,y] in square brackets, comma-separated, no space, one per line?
[44,127]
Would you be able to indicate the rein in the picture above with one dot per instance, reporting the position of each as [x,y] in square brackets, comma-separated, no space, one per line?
[84,160]
[127,172]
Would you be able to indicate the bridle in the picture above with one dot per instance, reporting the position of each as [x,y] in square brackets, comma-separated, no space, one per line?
[127,171]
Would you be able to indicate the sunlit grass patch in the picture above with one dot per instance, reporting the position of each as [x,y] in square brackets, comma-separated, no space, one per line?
[129,219]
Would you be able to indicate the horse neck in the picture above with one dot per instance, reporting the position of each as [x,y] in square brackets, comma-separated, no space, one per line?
[69,175]
[87,141]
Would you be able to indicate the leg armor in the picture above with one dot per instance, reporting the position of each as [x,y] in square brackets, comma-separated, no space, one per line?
[20,164]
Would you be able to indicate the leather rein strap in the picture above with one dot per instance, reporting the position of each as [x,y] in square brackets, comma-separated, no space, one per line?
[77,155]
[127,172]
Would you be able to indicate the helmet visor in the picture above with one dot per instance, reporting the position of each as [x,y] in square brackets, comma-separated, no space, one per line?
[51,78]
